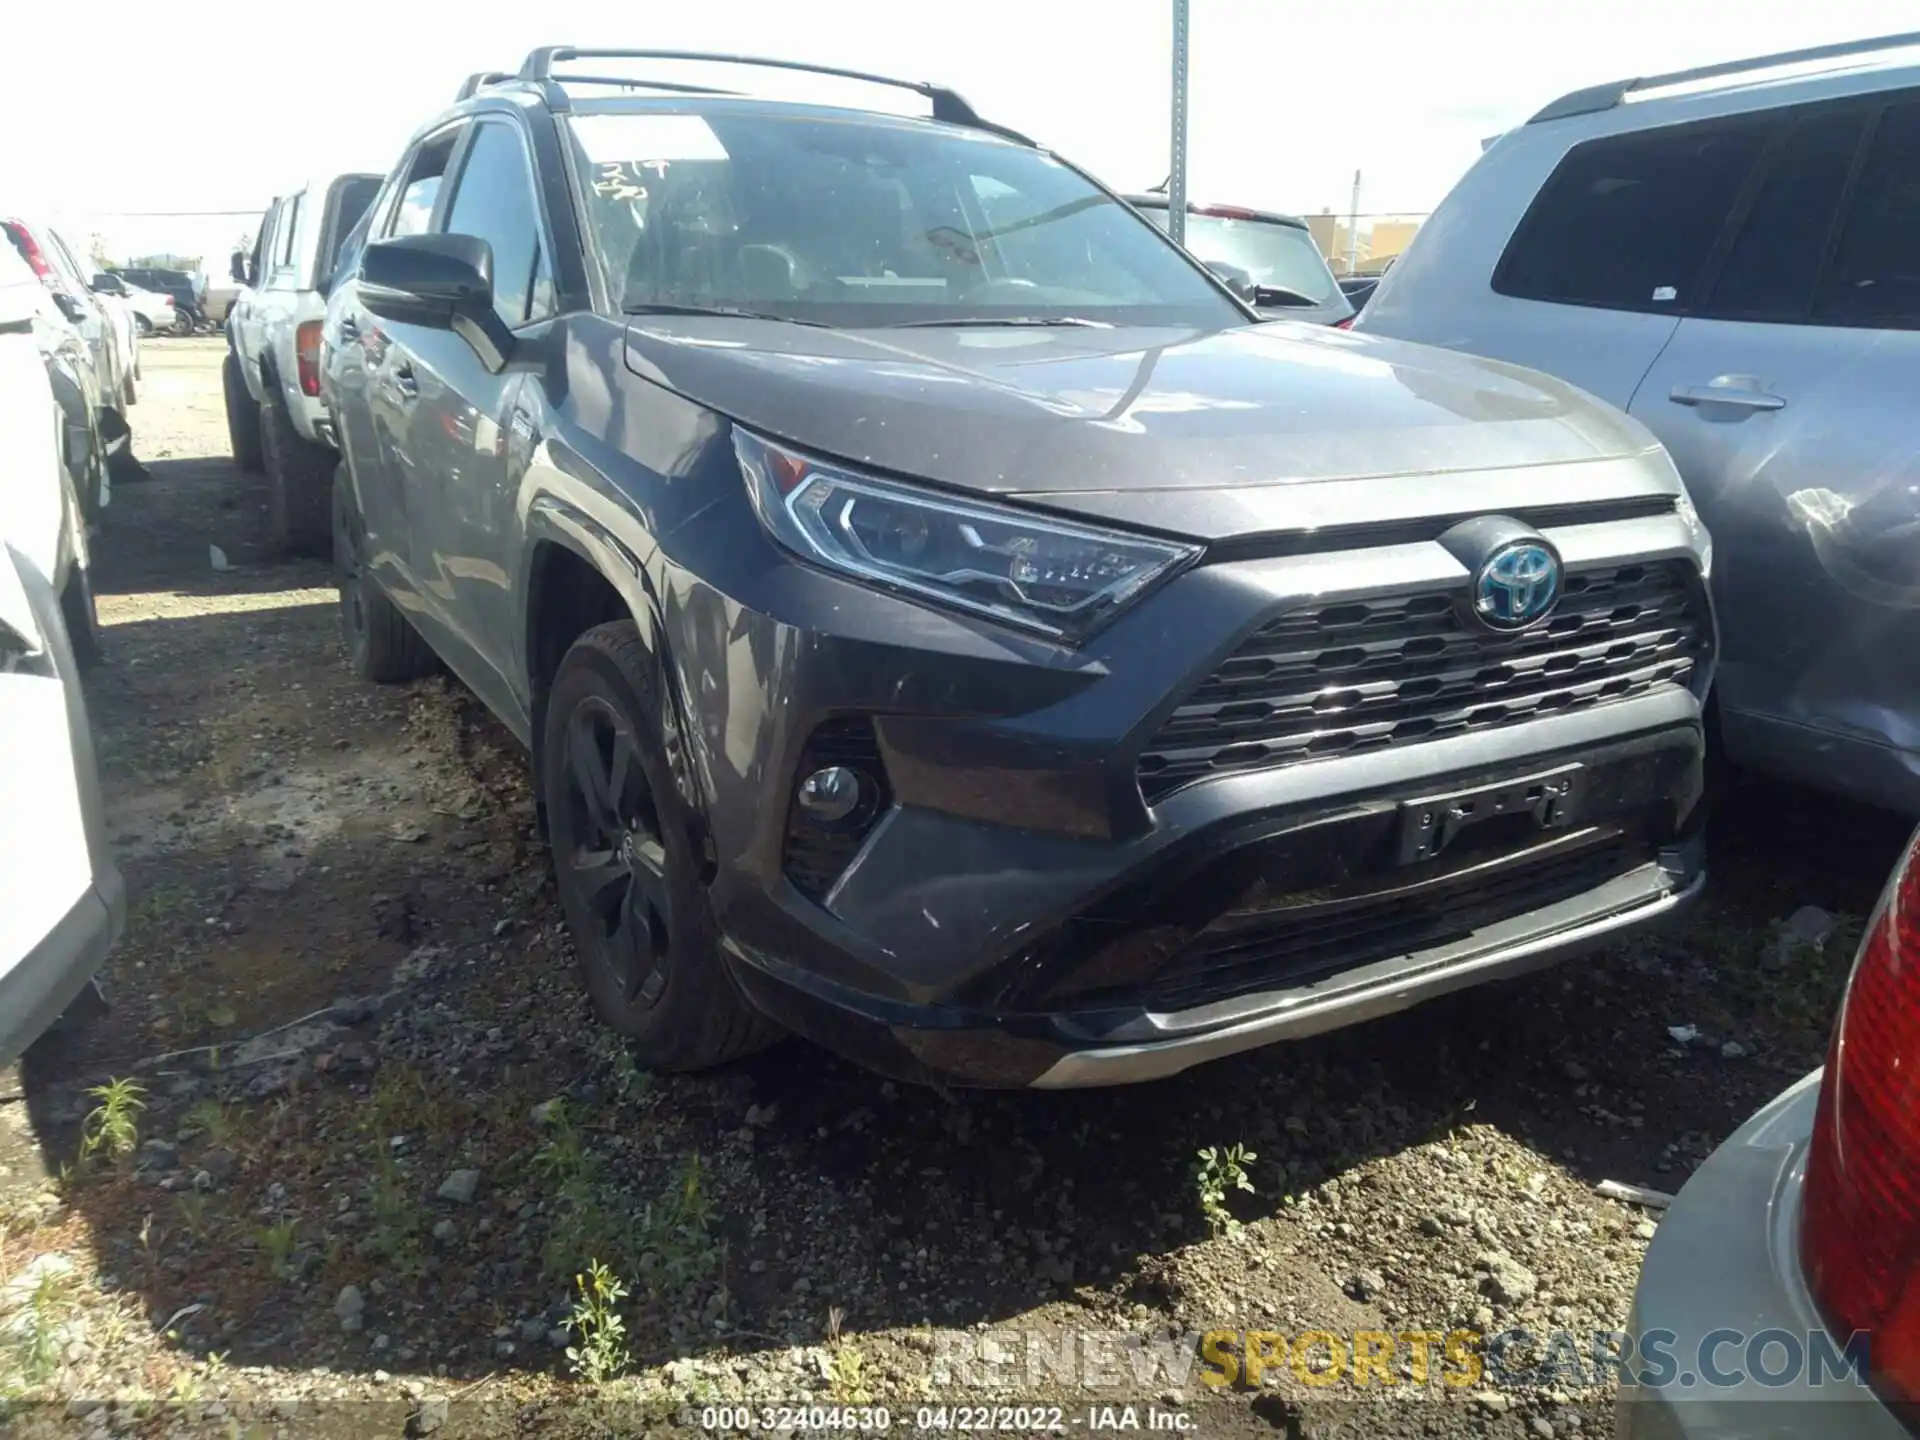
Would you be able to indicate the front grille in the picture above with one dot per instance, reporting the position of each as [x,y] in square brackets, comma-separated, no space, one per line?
[1308,943]
[1329,678]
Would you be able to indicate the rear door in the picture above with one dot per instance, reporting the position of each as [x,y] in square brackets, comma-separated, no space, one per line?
[249,310]
[1788,402]
[1614,249]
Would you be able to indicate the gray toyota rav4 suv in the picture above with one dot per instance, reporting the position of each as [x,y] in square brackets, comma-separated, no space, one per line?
[948,624]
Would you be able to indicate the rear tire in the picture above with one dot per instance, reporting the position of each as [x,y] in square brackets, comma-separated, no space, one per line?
[381,645]
[182,323]
[628,864]
[143,324]
[243,418]
[299,485]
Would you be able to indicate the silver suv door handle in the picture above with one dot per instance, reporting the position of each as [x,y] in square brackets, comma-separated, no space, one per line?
[1741,392]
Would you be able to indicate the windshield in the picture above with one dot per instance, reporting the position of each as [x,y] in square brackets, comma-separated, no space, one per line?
[1272,252]
[867,221]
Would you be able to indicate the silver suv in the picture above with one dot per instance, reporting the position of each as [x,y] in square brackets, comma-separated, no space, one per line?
[1732,256]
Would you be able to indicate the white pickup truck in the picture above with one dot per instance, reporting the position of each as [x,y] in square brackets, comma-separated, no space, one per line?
[272,374]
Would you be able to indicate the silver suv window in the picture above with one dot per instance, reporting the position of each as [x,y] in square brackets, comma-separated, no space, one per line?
[1629,222]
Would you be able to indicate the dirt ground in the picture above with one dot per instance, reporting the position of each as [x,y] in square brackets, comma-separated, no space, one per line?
[377,1134]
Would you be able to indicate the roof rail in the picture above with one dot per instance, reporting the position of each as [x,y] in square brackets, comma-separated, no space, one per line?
[948,105]
[479,81]
[1596,98]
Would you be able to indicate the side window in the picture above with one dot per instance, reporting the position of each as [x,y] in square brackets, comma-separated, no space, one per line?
[1875,278]
[262,240]
[494,201]
[283,257]
[414,208]
[1628,222]
[1770,272]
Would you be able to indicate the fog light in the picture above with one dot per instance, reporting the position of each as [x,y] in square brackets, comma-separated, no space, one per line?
[829,796]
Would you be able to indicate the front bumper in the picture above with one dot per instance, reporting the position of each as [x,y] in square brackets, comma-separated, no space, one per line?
[1724,1269]
[36,992]
[997,920]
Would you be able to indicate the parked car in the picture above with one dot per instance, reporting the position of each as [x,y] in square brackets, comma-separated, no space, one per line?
[272,371]
[946,624]
[77,340]
[1270,259]
[62,903]
[1733,257]
[1358,289]
[1804,1224]
[52,260]
[152,310]
[189,313]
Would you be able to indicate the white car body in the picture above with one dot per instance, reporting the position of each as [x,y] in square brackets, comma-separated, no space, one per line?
[62,901]
[151,306]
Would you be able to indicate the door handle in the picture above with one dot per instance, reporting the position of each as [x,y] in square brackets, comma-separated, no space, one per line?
[404,382]
[1739,392]
[348,330]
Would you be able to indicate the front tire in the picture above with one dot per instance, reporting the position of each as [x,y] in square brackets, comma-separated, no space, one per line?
[182,323]
[81,617]
[627,863]
[299,484]
[143,324]
[243,418]
[381,645]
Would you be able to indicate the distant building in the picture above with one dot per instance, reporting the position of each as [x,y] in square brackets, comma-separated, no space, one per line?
[1381,239]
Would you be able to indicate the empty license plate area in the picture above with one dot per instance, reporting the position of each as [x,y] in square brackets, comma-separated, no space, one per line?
[1551,800]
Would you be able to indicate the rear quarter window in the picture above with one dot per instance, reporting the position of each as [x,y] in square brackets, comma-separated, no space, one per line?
[1629,222]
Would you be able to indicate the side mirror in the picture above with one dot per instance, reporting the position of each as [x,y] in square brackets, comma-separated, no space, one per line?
[444,282]
[239,267]
[76,313]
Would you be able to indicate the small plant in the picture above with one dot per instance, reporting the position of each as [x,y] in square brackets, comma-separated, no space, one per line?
[193,1212]
[111,1127]
[846,1366]
[1215,1172]
[396,1219]
[276,1243]
[601,1352]
[37,1331]
[211,1119]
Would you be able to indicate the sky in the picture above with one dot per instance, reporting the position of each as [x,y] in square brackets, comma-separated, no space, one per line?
[1288,99]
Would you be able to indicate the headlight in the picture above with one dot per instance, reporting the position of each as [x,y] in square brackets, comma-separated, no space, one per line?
[1050,576]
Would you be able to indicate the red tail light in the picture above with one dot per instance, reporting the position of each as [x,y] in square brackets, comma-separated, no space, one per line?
[29,249]
[1346,324]
[1860,1215]
[306,345]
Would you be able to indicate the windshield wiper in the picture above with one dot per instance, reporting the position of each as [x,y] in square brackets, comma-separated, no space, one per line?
[730,312]
[1079,322]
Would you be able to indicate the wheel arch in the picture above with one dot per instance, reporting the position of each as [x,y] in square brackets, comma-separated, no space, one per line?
[577,574]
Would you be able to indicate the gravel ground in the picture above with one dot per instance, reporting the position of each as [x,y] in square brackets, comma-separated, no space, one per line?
[381,1134]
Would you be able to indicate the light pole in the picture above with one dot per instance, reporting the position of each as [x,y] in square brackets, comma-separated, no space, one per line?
[1177,180]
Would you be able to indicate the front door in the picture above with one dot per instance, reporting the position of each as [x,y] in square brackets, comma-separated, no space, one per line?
[470,431]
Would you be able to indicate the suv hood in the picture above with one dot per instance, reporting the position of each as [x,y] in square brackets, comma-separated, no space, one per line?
[1078,414]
